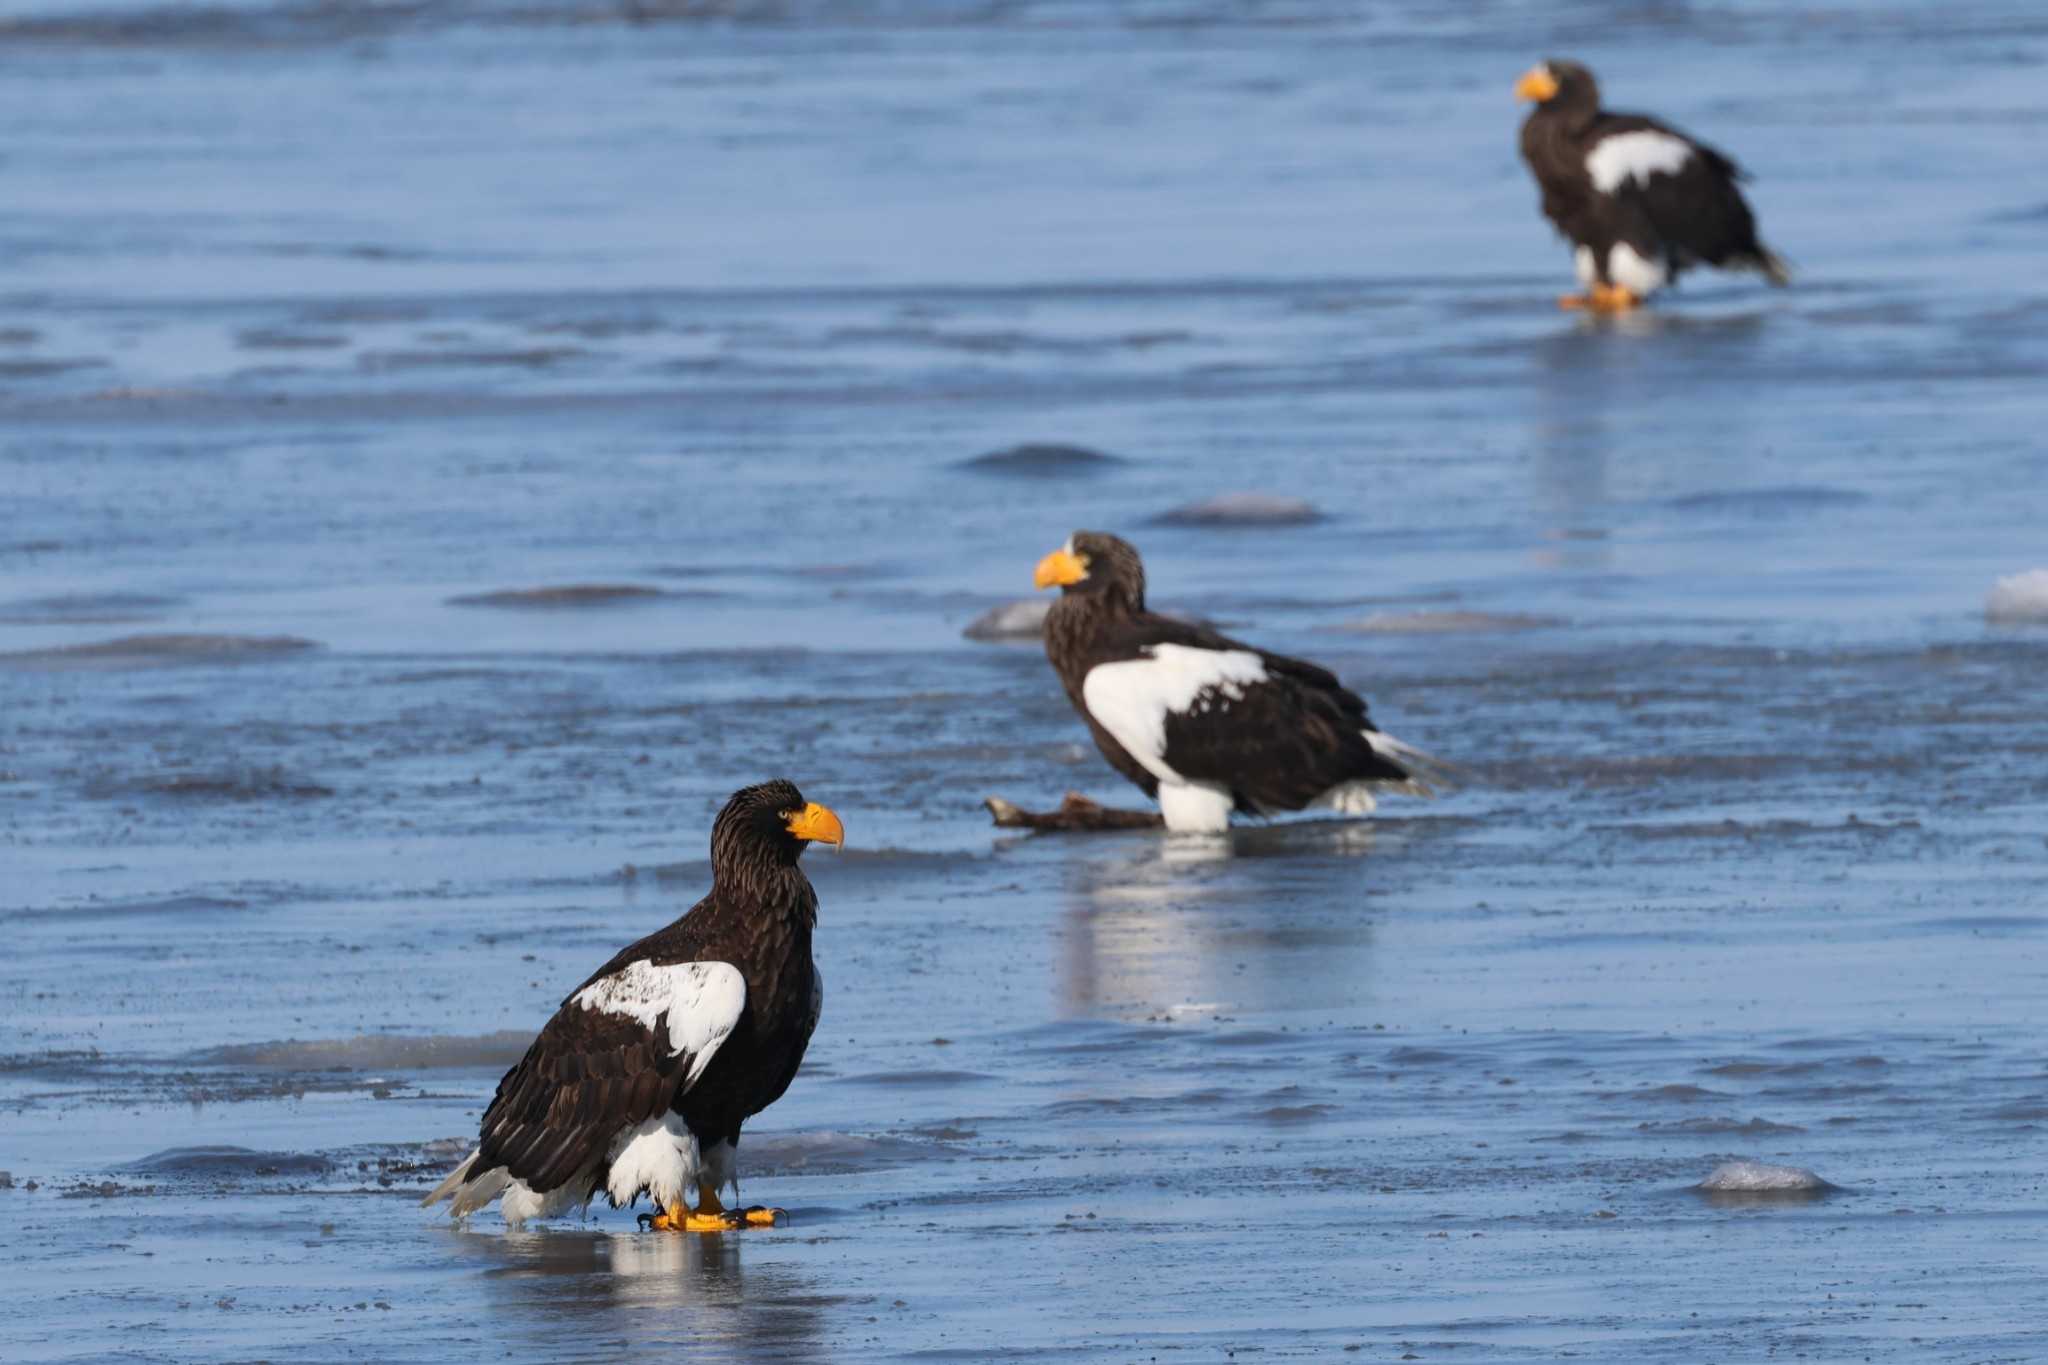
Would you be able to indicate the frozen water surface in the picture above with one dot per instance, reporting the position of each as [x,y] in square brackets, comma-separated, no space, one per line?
[447,448]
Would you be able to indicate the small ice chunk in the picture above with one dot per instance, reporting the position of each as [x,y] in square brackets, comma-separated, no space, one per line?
[1020,620]
[2019,600]
[1761,1177]
[1242,509]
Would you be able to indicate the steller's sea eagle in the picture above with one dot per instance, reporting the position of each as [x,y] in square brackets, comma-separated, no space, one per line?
[640,1082]
[1638,200]
[1202,723]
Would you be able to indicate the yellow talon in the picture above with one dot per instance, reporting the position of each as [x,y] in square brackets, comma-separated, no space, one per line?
[1572,303]
[710,1216]
[1613,298]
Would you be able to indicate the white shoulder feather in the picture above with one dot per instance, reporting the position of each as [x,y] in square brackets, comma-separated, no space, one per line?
[1132,698]
[1635,156]
[702,1000]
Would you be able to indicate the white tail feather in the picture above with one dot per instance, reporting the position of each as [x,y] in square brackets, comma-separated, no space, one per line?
[480,1192]
[1426,773]
[469,1195]
[446,1189]
[1772,267]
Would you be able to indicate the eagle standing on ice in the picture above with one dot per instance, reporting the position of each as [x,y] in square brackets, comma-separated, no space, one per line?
[641,1080]
[1639,201]
[1202,723]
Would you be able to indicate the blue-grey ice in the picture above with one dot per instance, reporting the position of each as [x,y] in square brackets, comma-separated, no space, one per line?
[318,316]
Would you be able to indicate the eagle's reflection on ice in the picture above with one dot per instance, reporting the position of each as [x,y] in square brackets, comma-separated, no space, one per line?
[601,1290]
[1259,918]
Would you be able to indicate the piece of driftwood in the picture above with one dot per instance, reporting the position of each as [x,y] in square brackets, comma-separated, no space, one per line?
[1076,815]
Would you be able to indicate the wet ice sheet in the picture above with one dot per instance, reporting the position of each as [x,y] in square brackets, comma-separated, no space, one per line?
[678,346]
[1427,1080]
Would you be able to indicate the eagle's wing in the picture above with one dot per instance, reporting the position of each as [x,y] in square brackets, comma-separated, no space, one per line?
[616,1054]
[1687,191]
[1193,705]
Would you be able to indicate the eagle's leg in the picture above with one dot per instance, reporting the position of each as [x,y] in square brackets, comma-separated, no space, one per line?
[711,1216]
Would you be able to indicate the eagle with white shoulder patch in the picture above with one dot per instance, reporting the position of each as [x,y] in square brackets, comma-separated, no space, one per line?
[1207,725]
[641,1080]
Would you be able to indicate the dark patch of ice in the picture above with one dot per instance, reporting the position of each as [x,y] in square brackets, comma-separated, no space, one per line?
[1447,622]
[1788,500]
[140,651]
[2024,1111]
[2037,213]
[1682,1094]
[1292,1113]
[226,1160]
[288,339]
[226,784]
[564,595]
[84,608]
[1707,1127]
[41,369]
[521,358]
[600,327]
[97,908]
[1040,460]
[919,1079]
[1229,510]
[106,1189]
[828,1152]
[372,1052]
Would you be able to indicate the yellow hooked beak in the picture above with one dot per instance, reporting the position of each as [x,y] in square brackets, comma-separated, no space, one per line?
[819,825]
[1536,84]
[1058,569]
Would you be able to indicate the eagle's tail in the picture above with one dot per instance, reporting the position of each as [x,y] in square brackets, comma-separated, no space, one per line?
[447,1188]
[1423,773]
[1771,266]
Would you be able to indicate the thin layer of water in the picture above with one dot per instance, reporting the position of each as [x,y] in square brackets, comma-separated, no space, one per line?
[426,501]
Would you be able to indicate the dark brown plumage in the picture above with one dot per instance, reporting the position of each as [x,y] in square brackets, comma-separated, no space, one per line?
[1640,201]
[705,1020]
[1203,723]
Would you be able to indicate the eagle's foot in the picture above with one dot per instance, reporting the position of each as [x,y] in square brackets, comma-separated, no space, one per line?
[1613,298]
[1573,303]
[680,1219]
[711,1216]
